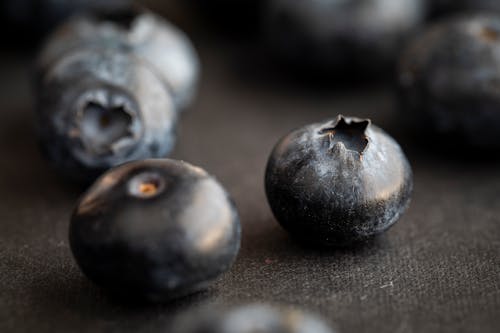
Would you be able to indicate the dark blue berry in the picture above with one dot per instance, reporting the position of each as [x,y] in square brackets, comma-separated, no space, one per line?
[331,34]
[109,88]
[338,182]
[94,112]
[252,319]
[448,79]
[144,34]
[155,230]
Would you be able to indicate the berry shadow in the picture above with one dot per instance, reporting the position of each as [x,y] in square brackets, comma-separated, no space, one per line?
[271,240]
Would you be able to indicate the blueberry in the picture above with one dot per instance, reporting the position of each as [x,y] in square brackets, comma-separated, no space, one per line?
[338,182]
[145,35]
[254,318]
[448,79]
[155,230]
[341,35]
[100,108]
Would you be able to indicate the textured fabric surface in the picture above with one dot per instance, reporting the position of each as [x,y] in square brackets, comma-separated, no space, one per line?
[436,270]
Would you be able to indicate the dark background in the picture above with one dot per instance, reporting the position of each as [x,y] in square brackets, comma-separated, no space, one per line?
[437,270]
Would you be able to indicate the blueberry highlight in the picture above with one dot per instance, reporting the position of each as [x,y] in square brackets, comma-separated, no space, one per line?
[155,230]
[338,182]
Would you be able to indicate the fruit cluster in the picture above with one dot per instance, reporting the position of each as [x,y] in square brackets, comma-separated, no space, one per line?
[111,86]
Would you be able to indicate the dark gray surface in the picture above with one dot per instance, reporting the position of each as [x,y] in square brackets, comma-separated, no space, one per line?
[437,270]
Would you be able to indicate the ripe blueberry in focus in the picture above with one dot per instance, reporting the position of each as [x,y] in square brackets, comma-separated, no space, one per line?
[338,182]
[255,318]
[331,34]
[448,80]
[155,229]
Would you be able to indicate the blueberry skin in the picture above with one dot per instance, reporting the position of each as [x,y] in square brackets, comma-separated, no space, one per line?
[149,37]
[338,182]
[341,35]
[155,230]
[94,112]
[254,318]
[448,81]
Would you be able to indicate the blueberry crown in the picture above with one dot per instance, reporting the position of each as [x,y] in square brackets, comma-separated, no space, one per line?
[348,132]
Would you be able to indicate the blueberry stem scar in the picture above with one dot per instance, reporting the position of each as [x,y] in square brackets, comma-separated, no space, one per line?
[490,34]
[146,185]
[351,134]
[103,126]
